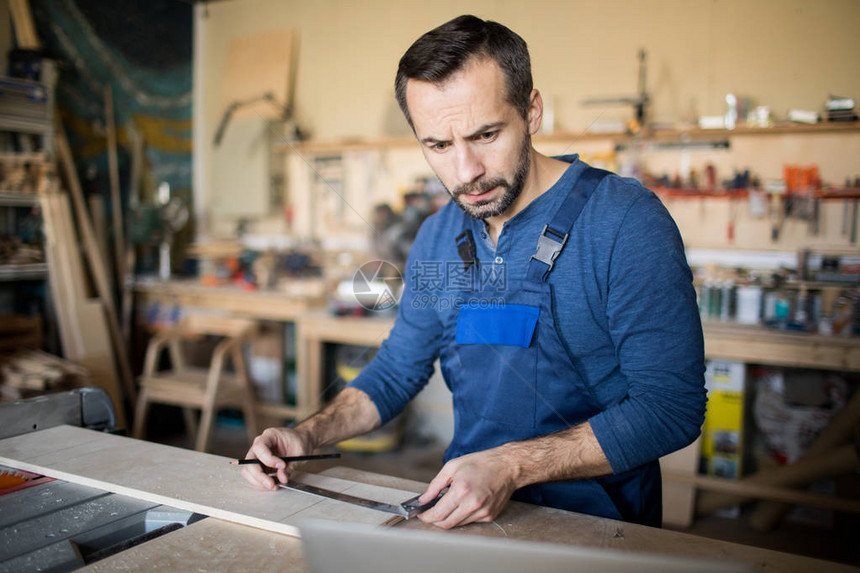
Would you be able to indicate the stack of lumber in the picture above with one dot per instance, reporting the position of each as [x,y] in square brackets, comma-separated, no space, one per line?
[81,317]
[81,286]
[13,251]
[25,173]
[28,373]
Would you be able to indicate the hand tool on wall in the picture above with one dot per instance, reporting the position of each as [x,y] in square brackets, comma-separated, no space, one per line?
[639,101]
[777,215]
[853,236]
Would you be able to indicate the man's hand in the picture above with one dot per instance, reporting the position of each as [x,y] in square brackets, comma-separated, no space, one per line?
[480,486]
[267,447]
[351,413]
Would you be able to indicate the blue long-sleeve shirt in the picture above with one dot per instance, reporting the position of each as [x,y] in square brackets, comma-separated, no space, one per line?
[625,304]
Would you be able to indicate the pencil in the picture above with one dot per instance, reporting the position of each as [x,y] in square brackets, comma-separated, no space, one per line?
[289,459]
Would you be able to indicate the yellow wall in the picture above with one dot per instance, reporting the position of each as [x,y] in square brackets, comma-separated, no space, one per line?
[782,53]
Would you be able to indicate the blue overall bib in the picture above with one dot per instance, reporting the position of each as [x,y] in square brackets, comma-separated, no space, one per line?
[513,378]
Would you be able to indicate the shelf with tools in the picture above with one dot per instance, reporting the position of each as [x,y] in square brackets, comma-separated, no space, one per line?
[680,134]
[832,194]
[23,272]
[17,200]
[26,172]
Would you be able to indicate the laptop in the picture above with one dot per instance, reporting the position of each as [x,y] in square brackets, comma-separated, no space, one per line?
[332,546]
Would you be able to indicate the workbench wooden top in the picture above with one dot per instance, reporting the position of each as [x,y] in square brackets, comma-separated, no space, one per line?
[260,304]
[212,544]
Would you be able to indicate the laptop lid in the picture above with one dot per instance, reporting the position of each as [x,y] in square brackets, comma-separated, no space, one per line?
[331,546]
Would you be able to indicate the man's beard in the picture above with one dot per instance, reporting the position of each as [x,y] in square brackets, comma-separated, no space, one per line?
[511,190]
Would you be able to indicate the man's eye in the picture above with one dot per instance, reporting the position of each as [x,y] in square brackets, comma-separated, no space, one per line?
[441,146]
[489,135]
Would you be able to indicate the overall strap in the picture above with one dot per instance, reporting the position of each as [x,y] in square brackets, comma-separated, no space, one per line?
[554,235]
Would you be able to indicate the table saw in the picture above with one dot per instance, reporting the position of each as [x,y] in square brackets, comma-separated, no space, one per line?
[48,524]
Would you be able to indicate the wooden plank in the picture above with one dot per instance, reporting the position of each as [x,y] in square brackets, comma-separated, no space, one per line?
[22,20]
[679,498]
[189,480]
[59,276]
[115,195]
[215,545]
[69,279]
[265,305]
[96,205]
[78,284]
[96,354]
[127,285]
[326,147]
[209,545]
[96,261]
[837,462]
[88,343]
[766,491]
[257,64]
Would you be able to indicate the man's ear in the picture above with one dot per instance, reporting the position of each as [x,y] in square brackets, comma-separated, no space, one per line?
[535,113]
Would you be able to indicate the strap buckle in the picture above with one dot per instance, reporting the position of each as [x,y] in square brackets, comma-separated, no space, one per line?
[549,247]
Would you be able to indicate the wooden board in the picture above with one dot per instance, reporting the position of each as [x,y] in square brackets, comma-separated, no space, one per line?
[96,259]
[257,64]
[194,481]
[115,192]
[59,273]
[22,20]
[679,499]
[209,545]
[215,545]
[82,323]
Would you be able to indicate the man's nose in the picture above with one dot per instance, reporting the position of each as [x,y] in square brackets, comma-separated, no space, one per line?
[470,166]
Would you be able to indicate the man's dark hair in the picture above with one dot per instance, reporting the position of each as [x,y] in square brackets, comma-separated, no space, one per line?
[441,52]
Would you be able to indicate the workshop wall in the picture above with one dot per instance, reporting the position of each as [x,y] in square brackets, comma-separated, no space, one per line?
[781,53]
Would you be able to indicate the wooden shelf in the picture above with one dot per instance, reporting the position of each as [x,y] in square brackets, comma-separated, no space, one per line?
[28,272]
[826,194]
[744,130]
[339,146]
[8,199]
[760,345]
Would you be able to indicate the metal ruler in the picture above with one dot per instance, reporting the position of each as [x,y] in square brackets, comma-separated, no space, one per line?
[407,509]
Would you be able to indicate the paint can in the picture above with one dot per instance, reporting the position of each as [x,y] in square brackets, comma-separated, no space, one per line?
[749,299]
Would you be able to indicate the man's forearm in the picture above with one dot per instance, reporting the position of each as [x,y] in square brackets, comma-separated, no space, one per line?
[573,453]
[350,414]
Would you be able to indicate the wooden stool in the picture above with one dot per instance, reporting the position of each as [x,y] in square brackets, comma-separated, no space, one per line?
[199,388]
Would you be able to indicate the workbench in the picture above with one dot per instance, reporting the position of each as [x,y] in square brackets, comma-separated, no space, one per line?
[313,331]
[261,305]
[222,544]
[315,328]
